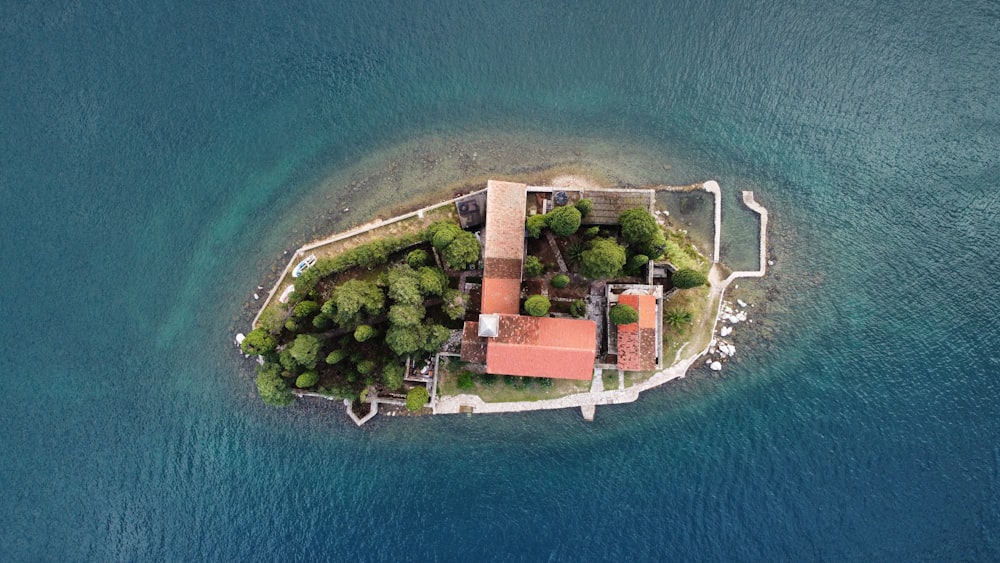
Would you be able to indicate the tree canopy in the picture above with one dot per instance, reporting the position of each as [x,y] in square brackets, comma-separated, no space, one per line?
[364,332]
[638,225]
[585,206]
[622,314]
[392,375]
[537,305]
[416,398]
[305,349]
[454,303]
[355,299]
[271,387]
[564,221]
[432,281]
[603,259]
[533,267]
[417,258]
[688,278]
[463,251]
[404,285]
[534,225]
[258,341]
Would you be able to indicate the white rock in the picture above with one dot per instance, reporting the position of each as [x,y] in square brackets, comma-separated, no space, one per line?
[726,331]
[729,348]
[741,303]
[715,366]
[239,338]
[255,296]
[770,262]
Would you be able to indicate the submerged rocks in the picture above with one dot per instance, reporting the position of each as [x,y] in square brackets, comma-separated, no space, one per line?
[715,366]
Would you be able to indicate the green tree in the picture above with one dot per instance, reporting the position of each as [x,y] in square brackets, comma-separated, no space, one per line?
[258,342]
[688,278]
[406,315]
[584,206]
[432,281]
[537,305]
[443,233]
[271,320]
[288,363]
[403,340]
[307,379]
[355,299]
[416,398]
[454,303]
[636,263]
[271,387]
[622,314]
[366,366]
[564,221]
[677,317]
[533,267]
[392,375]
[560,281]
[336,357]
[417,258]
[364,332]
[578,308]
[592,232]
[604,259]
[305,349]
[653,248]
[638,225]
[534,225]
[435,336]
[463,251]
[404,285]
[305,309]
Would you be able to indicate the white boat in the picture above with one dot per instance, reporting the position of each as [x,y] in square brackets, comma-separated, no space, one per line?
[304,265]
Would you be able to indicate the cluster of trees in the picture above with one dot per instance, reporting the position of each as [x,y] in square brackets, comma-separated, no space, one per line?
[562,221]
[363,330]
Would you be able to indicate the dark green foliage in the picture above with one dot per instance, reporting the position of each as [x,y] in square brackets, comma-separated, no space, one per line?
[432,281]
[403,340]
[544,382]
[463,251]
[434,338]
[366,366]
[487,379]
[271,320]
[688,278]
[623,315]
[560,281]
[417,258]
[638,225]
[364,332]
[537,305]
[465,380]
[288,362]
[574,251]
[406,315]
[533,267]
[454,303]
[336,357]
[321,322]
[584,206]
[417,398]
[604,259]
[392,375]
[305,349]
[534,225]
[564,221]
[442,233]
[354,300]
[653,248]
[636,264]
[258,341]
[677,317]
[375,253]
[592,232]
[292,326]
[305,309]
[272,389]
[404,285]
[578,308]
[307,379]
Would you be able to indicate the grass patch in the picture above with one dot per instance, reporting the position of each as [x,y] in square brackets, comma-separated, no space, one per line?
[502,389]
[695,334]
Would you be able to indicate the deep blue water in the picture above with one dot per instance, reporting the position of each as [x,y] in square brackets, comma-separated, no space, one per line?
[156,161]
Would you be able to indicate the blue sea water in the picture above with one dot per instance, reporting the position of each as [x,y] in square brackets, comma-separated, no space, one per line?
[156,160]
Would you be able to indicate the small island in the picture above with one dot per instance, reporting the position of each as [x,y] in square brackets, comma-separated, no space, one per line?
[509,298]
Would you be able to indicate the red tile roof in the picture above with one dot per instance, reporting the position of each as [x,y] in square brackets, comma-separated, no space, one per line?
[504,220]
[501,296]
[637,341]
[543,347]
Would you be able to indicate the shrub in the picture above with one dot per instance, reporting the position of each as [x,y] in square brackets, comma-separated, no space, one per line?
[688,278]
[584,206]
[592,232]
[578,308]
[623,315]
[305,309]
[336,357]
[392,375]
[291,326]
[443,233]
[454,303]
[560,281]
[432,281]
[535,224]
[258,341]
[417,398]
[533,267]
[537,305]
[307,379]
[604,259]
[364,332]
[366,366]
[564,221]
[677,317]
[465,380]
[636,264]
[417,258]
[487,379]
[434,337]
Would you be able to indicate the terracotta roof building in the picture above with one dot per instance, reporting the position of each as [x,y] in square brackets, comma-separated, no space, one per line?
[637,350]
[509,343]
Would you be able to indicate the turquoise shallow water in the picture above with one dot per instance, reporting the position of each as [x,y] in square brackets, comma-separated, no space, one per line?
[155,163]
